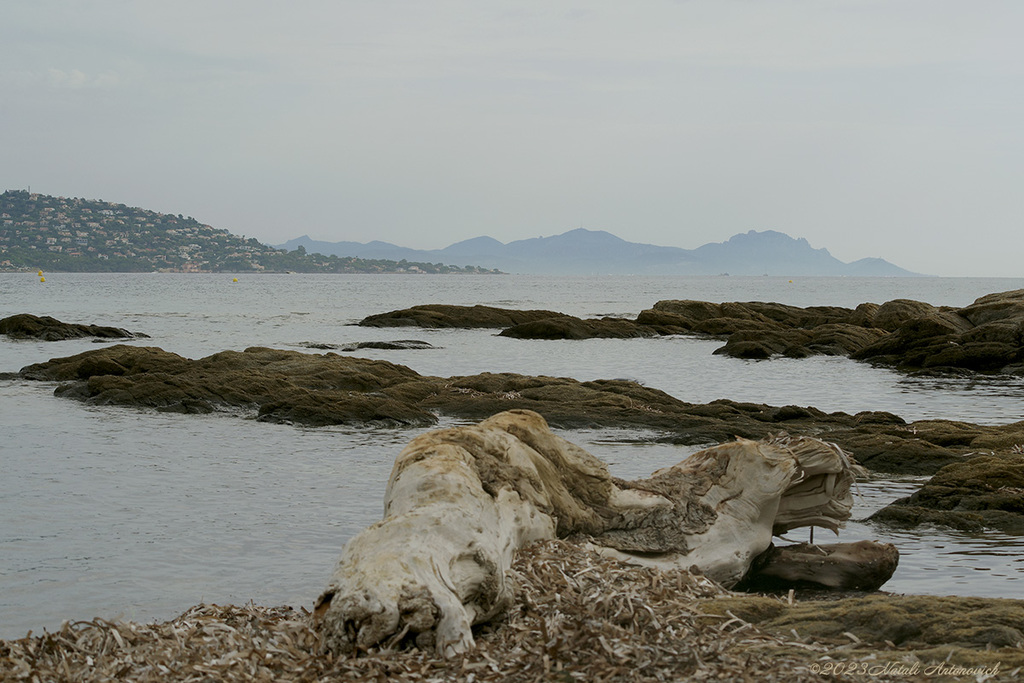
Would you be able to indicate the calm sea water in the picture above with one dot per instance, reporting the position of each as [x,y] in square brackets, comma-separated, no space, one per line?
[114,512]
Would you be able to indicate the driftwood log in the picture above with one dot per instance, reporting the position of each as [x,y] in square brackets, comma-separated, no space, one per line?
[461,501]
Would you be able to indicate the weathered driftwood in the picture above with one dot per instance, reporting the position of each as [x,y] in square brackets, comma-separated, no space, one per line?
[461,501]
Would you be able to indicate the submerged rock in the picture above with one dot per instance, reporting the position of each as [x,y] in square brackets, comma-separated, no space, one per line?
[985,491]
[45,328]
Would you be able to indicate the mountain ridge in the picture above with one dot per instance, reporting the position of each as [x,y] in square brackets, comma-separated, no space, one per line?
[597,252]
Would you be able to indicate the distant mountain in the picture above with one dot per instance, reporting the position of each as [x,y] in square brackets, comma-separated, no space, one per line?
[596,252]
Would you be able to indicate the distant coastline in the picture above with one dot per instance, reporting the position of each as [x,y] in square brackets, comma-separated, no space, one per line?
[597,252]
[61,234]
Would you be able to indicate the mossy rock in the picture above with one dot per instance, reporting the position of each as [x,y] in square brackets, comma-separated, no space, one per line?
[962,630]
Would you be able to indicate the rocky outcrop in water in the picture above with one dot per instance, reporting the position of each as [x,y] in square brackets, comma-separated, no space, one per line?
[756,330]
[985,491]
[987,336]
[45,328]
[329,389]
[464,317]
[570,327]
[395,345]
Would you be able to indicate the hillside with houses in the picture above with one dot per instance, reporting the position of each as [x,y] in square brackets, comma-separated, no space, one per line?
[45,232]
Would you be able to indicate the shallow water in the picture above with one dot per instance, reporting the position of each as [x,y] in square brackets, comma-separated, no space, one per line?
[118,512]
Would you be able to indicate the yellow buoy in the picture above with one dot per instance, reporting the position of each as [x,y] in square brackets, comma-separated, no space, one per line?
[234,279]
[40,273]
[42,279]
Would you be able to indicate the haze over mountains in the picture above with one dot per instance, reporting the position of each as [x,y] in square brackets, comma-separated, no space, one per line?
[596,252]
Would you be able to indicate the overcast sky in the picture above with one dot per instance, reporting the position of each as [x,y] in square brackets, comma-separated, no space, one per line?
[891,128]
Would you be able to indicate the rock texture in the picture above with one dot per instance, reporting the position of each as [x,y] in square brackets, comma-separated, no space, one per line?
[570,327]
[461,501]
[933,626]
[45,328]
[393,345]
[279,386]
[444,315]
[912,336]
[986,491]
[987,336]
[314,390]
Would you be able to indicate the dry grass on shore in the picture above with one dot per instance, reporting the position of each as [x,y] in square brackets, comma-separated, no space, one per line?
[580,617]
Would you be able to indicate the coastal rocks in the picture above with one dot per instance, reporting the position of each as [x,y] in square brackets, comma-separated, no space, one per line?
[536,324]
[461,501]
[701,317]
[757,330]
[861,566]
[570,327]
[985,491]
[330,389]
[912,336]
[465,317]
[832,339]
[987,336]
[45,328]
[395,345]
[280,386]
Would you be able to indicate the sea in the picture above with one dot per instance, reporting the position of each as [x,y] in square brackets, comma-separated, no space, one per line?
[121,513]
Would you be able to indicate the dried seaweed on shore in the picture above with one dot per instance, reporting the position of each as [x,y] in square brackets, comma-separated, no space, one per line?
[579,617]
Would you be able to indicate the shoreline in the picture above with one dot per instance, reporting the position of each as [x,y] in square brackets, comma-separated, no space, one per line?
[565,623]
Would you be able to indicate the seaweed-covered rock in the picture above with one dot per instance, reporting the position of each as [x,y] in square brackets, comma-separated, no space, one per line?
[935,628]
[45,328]
[985,491]
[281,386]
[322,389]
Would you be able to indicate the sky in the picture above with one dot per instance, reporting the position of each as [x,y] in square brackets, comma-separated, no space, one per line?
[888,128]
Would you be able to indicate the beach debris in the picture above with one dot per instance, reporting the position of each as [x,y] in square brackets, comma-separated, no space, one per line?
[566,624]
[578,616]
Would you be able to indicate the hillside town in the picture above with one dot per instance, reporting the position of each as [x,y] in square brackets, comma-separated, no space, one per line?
[45,232]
